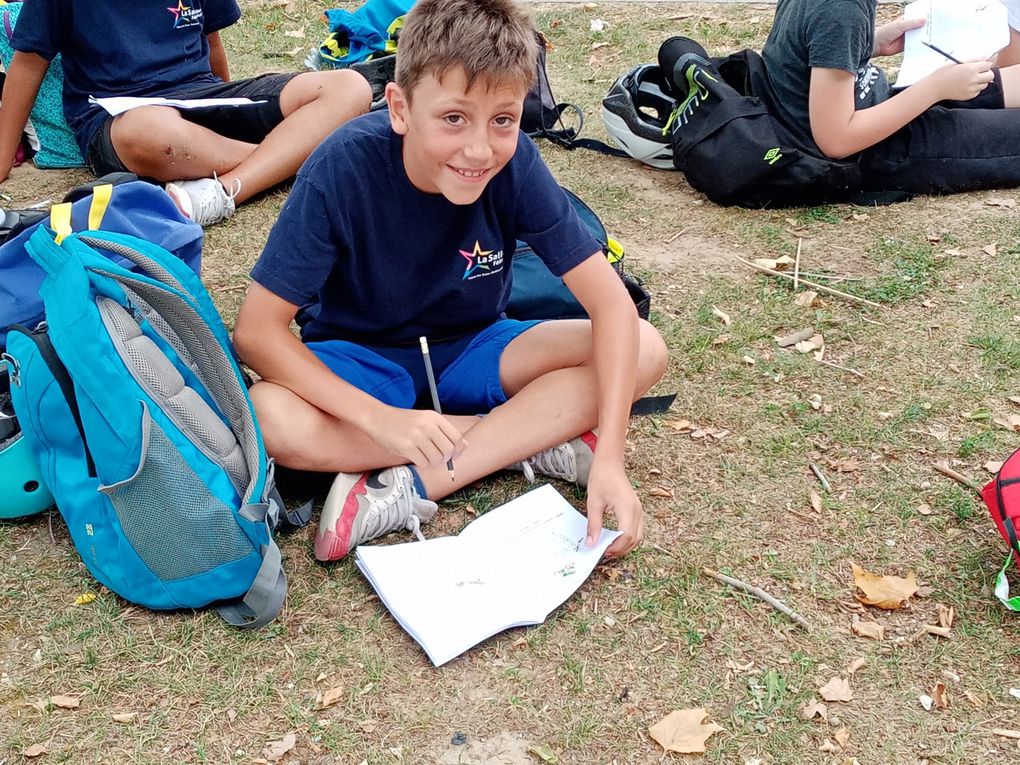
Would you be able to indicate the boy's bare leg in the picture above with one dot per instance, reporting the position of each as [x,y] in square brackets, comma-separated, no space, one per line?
[158,143]
[546,371]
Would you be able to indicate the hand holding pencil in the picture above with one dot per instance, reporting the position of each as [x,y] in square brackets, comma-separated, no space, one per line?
[434,391]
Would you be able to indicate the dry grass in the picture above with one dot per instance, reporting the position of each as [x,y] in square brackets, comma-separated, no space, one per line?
[647,634]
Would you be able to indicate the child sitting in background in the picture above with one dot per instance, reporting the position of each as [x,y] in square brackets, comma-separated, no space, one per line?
[213,158]
[954,130]
[403,224]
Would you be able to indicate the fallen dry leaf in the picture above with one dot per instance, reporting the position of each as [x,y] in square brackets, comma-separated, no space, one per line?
[837,689]
[65,702]
[924,509]
[721,340]
[684,731]
[842,736]
[849,465]
[85,598]
[661,491]
[1015,400]
[683,426]
[124,717]
[974,700]
[816,501]
[275,750]
[544,753]
[721,316]
[35,750]
[953,253]
[1012,422]
[748,360]
[329,697]
[946,616]
[793,338]
[814,343]
[887,592]
[940,695]
[991,249]
[870,630]
[775,264]
[813,709]
[857,664]
[806,299]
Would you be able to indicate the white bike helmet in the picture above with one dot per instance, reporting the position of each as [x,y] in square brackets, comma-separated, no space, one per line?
[636,111]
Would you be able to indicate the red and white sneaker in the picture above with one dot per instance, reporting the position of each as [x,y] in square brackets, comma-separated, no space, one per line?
[363,506]
[567,462]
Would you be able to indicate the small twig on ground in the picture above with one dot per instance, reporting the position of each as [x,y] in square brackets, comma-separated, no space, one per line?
[676,236]
[230,288]
[812,285]
[854,372]
[1005,733]
[947,471]
[760,594]
[821,477]
[796,266]
[831,277]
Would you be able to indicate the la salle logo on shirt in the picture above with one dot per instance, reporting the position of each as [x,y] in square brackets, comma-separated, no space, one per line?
[482,262]
[185,15]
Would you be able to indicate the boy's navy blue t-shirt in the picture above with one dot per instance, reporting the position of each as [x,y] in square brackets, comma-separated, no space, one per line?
[138,48]
[371,259]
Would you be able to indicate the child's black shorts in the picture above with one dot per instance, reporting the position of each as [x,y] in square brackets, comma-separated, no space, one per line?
[250,124]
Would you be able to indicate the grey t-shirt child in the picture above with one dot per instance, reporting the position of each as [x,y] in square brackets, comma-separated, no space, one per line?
[828,34]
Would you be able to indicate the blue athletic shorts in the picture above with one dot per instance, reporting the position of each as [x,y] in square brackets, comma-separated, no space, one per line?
[466,369]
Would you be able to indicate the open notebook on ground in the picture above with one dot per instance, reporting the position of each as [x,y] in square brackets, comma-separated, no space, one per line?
[511,567]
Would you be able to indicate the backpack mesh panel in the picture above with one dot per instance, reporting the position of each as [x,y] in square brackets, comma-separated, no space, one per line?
[188,410]
[196,341]
[167,503]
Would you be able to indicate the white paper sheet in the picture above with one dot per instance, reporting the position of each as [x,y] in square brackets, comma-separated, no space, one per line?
[965,29]
[510,567]
[119,104]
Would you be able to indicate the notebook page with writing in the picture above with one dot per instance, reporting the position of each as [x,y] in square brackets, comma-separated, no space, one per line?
[510,567]
[968,30]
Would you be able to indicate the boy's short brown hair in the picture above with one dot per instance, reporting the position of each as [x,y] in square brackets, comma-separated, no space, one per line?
[493,39]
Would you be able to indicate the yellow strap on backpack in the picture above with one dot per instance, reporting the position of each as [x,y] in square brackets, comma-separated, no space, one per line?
[60,220]
[100,201]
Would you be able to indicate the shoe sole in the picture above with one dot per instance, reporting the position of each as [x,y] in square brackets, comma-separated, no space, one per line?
[339,512]
[180,199]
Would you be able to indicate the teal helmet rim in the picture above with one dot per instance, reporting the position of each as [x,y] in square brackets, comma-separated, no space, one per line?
[22,488]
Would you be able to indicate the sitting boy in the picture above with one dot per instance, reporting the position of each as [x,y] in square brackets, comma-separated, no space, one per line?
[402,224]
[949,132]
[214,158]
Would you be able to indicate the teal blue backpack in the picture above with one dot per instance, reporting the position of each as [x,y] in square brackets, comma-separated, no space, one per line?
[138,415]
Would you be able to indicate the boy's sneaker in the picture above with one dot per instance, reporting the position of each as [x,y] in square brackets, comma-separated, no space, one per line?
[204,201]
[690,76]
[568,462]
[363,506]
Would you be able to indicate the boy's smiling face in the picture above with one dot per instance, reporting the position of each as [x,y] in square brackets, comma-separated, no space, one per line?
[456,139]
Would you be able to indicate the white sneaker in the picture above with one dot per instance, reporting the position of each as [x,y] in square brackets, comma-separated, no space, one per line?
[204,201]
[567,462]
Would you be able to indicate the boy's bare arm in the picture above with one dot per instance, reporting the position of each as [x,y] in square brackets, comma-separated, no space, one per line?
[20,89]
[264,341]
[841,130]
[218,57]
[615,347]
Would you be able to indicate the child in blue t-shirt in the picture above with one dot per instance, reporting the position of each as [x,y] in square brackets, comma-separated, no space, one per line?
[213,158]
[402,225]
[955,130]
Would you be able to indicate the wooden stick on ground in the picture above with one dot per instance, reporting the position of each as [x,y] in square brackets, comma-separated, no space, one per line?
[854,372]
[812,285]
[796,267]
[947,471]
[821,477]
[760,594]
